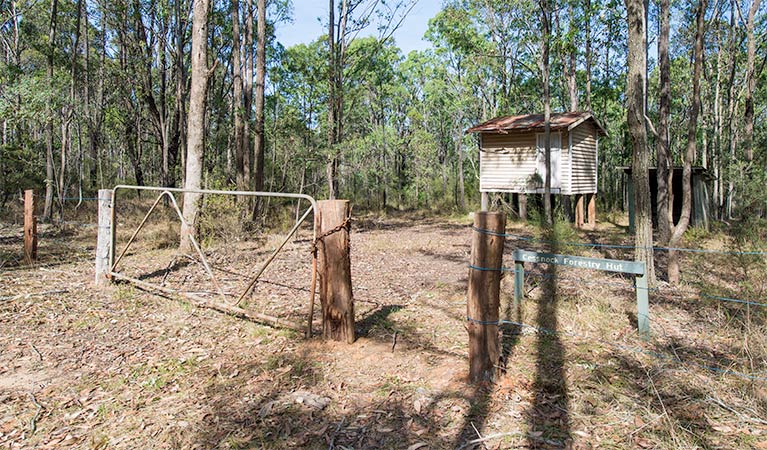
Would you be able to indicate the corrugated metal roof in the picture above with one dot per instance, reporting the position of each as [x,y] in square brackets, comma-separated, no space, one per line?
[531,122]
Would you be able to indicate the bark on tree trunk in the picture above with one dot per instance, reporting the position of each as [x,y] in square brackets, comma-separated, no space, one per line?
[237,101]
[330,168]
[196,127]
[545,18]
[49,169]
[248,94]
[260,142]
[635,105]
[748,126]
[692,131]
[588,55]
[572,81]
[665,214]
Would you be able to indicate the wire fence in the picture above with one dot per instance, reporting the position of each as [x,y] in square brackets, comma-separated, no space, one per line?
[596,245]
[667,293]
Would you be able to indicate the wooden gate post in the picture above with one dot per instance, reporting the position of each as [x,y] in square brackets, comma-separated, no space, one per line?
[30,227]
[483,304]
[335,273]
[104,242]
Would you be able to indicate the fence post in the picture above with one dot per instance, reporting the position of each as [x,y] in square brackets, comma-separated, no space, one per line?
[519,282]
[335,273]
[484,295]
[30,227]
[104,243]
[643,306]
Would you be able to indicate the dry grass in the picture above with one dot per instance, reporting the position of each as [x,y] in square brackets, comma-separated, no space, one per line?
[123,368]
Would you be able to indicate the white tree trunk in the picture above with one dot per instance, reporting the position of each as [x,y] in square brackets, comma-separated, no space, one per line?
[196,122]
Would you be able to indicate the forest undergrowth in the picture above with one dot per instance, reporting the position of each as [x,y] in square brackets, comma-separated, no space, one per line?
[121,367]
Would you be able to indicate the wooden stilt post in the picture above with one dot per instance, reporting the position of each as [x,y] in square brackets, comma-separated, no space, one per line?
[484,295]
[485,201]
[593,211]
[335,273]
[523,206]
[567,205]
[30,227]
[104,243]
[579,212]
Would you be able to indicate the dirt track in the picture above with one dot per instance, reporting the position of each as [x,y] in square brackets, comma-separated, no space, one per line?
[123,368]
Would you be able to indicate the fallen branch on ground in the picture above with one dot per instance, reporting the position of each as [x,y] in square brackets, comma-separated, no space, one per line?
[36,294]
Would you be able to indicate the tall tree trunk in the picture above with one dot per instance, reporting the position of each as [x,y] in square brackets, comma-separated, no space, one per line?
[49,169]
[247,93]
[196,127]
[69,113]
[732,126]
[177,138]
[461,181]
[572,81]
[545,37]
[237,101]
[260,141]
[689,157]
[588,55]
[635,106]
[748,126]
[718,127]
[665,210]
[332,135]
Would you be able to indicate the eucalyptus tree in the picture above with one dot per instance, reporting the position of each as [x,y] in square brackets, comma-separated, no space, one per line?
[692,139]
[346,19]
[260,142]
[49,169]
[635,108]
[196,126]
[663,153]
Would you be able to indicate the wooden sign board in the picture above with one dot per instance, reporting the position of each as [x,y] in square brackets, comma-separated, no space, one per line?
[636,268]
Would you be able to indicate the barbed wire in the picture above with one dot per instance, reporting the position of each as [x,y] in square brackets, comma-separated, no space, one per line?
[616,246]
[619,284]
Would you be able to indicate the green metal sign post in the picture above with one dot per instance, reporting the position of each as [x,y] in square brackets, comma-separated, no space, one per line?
[609,265]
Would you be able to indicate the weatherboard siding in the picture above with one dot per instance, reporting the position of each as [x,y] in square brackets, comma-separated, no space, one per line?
[584,159]
[509,160]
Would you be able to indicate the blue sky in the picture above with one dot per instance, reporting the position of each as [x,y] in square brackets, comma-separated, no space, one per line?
[310,18]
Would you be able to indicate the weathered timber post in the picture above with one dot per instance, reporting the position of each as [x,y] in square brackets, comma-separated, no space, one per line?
[484,295]
[593,211]
[579,212]
[104,242]
[30,227]
[485,201]
[335,273]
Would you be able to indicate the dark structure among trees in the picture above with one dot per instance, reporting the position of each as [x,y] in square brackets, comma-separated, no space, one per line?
[701,207]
